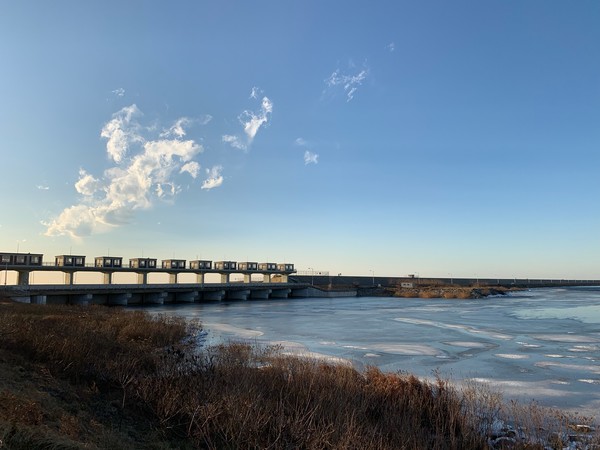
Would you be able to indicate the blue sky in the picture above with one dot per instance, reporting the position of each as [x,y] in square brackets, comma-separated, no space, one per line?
[395,137]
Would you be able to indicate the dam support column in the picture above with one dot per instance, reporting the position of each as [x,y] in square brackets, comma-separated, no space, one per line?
[266,277]
[23,277]
[38,299]
[300,293]
[172,278]
[142,278]
[213,295]
[200,278]
[119,299]
[225,278]
[238,294]
[81,299]
[260,294]
[280,293]
[107,277]
[155,298]
[247,278]
[69,277]
[186,297]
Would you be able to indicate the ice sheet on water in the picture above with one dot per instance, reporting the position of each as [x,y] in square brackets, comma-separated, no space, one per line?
[511,356]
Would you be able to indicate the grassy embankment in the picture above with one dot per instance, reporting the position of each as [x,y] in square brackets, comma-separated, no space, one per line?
[94,377]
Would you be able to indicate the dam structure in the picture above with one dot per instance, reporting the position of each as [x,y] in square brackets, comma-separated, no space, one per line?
[275,282]
[236,281]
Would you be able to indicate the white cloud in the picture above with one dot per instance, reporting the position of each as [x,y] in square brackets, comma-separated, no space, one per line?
[349,83]
[191,167]
[300,142]
[255,92]
[234,141]
[119,92]
[252,122]
[214,178]
[177,129]
[310,157]
[391,47]
[119,133]
[145,170]
[205,119]
[42,188]
[87,184]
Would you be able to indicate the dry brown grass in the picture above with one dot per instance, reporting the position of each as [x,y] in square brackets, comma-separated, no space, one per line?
[107,378]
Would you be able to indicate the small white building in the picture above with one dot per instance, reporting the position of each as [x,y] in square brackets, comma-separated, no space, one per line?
[108,261]
[225,265]
[173,263]
[142,263]
[286,267]
[200,264]
[69,261]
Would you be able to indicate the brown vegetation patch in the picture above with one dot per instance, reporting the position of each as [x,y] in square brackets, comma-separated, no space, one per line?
[73,377]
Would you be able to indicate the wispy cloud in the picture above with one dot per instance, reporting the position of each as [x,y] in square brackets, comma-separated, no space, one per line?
[234,141]
[251,121]
[119,92]
[310,157]
[177,129]
[214,178]
[42,188]
[255,92]
[144,171]
[205,119]
[391,47]
[349,83]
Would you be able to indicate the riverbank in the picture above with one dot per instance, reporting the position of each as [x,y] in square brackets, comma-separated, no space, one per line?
[106,377]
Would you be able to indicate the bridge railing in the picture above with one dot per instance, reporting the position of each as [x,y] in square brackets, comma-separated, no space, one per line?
[316,273]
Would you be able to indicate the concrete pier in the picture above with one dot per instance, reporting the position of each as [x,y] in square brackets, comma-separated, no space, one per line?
[213,295]
[280,293]
[142,277]
[81,299]
[119,299]
[260,294]
[155,298]
[238,295]
[38,299]
[186,297]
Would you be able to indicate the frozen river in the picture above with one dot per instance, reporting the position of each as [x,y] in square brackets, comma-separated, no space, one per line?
[542,344]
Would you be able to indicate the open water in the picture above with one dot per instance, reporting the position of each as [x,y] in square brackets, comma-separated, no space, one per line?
[541,345]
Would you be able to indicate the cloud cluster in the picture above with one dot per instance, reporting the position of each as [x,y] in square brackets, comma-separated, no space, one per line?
[251,122]
[348,82]
[144,171]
